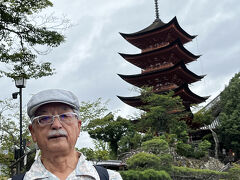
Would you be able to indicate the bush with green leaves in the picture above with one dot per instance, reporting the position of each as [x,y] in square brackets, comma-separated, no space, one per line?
[148,174]
[156,146]
[234,172]
[191,173]
[166,161]
[143,160]
[184,149]
[188,150]
[132,140]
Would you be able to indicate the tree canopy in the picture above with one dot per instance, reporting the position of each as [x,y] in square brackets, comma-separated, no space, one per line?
[163,111]
[110,130]
[229,130]
[9,133]
[20,34]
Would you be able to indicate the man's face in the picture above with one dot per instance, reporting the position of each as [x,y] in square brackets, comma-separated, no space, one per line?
[43,134]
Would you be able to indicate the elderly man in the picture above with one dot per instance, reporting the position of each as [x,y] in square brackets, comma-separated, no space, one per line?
[55,128]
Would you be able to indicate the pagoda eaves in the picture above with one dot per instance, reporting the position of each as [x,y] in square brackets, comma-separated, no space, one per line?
[174,52]
[188,97]
[177,74]
[156,33]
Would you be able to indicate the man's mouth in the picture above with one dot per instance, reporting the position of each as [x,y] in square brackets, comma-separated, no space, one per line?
[56,136]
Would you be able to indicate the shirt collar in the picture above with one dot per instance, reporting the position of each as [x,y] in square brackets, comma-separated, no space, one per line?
[85,168]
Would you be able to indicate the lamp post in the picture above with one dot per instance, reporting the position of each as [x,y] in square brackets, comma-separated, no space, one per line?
[20,83]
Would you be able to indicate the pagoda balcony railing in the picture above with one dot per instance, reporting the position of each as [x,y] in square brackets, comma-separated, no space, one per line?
[155,46]
[162,66]
[165,88]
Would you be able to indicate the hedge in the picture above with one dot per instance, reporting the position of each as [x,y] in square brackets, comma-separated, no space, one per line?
[149,174]
[196,173]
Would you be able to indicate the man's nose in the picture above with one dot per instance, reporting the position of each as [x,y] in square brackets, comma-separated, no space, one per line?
[56,123]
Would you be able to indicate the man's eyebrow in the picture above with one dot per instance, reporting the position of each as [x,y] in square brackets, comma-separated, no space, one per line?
[66,107]
[40,112]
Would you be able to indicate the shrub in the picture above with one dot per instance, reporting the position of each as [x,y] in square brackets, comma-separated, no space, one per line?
[130,175]
[234,172]
[144,161]
[166,161]
[204,146]
[196,173]
[187,150]
[156,146]
[149,174]
[184,149]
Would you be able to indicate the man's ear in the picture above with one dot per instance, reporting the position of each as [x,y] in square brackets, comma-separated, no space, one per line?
[79,124]
[31,129]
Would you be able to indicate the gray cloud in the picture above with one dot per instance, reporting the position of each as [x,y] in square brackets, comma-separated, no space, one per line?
[88,62]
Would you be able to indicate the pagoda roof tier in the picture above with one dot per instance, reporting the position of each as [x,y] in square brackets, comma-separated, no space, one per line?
[187,96]
[134,101]
[172,53]
[177,74]
[158,33]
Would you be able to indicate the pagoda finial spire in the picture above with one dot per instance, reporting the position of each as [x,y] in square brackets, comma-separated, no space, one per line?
[156,9]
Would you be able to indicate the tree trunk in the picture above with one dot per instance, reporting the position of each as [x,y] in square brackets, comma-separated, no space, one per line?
[216,142]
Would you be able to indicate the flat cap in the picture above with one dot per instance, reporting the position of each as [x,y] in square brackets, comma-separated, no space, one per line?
[51,96]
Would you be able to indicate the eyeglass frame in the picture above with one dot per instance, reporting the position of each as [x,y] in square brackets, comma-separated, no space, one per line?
[53,118]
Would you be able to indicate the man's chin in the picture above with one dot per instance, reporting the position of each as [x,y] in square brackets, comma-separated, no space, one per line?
[57,146]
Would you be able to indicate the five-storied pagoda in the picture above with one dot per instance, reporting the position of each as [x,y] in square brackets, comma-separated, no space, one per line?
[162,60]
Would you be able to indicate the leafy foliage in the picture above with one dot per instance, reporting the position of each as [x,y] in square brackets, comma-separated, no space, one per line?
[234,172]
[156,146]
[143,161]
[188,150]
[9,132]
[95,155]
[162,112]
[19,36]
[191,173]
[99,153]
[92,110]
[229,130]
[148,174]
[203,117]
[109,130]
[132,140]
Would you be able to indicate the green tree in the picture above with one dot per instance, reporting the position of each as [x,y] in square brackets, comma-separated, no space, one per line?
[203,117]
[92,110]
[163,111]
[229,130]
[109,130]
[99,153]
[9,132]
[130,141]
[21,35]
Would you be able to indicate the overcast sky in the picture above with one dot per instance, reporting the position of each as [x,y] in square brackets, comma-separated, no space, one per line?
[88,62]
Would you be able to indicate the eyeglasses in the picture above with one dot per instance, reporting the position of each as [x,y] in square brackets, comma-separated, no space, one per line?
[48,119]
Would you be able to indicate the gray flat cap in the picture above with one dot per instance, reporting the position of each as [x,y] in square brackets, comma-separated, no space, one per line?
[51,96]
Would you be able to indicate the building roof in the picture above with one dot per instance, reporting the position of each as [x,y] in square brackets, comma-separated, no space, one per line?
[158,32]
[177,74]
[173,52]
[184,92]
